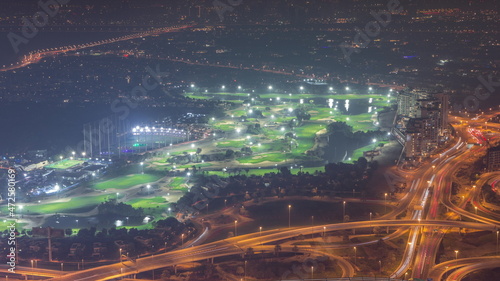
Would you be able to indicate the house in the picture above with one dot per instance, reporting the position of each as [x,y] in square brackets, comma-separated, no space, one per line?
[98,250]
[144,241]
[76,250]
[126,247]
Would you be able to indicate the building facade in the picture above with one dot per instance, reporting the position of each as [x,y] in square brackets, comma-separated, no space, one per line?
[422,122]
[493,159]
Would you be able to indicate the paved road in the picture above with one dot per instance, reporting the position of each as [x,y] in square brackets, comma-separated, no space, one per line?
[238,245]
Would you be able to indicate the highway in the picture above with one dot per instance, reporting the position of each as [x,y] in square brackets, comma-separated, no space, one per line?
[421,189]
[237,246]
[36,56]
[443,269]
[431,239]
[425,241]
[23,270]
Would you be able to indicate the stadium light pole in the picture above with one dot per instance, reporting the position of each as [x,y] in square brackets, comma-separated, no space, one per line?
[142,167]
[236,228]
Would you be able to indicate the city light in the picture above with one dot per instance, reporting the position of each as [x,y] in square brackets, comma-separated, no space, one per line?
[114,132]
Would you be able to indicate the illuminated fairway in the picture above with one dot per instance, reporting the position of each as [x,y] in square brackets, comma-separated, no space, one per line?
[269,146]
[127,181]
[178,183]
[148,202]
[64,164]
[74,205]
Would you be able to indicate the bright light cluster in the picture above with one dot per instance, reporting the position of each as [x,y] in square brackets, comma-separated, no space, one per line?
[139,130]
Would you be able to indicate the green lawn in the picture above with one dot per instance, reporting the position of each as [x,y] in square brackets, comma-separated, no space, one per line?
[75,205]
[148,202]
[64,164]
[127,181]
[178,183]
[254,159]
[305,136]
[360,122]
[224,127]
[156,207]
[232,143]
[359,152]
[198,165]
[322,113]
